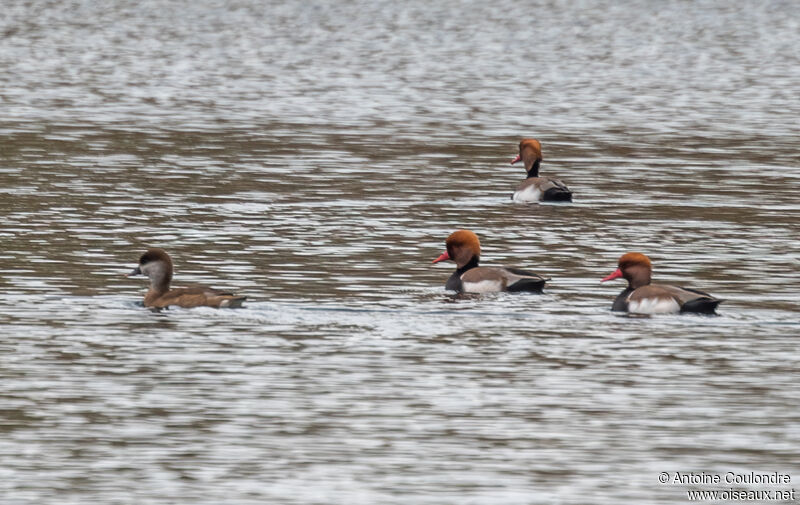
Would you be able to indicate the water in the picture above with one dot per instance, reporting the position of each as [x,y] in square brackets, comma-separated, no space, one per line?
[314,157]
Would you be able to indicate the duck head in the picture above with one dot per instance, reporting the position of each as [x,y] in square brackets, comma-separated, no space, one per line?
[157,266]
[530,152]
[463,247]
[633,267]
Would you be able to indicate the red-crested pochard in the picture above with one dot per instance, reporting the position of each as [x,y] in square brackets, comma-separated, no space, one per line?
[464,248]
[535,188]
[641,297]
[157,265]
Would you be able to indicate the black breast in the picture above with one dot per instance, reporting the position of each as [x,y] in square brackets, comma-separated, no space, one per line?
[621,304]
[454,282]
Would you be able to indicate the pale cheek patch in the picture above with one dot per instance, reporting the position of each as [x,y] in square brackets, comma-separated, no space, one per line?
[529,194]
[654,306]
[483,287]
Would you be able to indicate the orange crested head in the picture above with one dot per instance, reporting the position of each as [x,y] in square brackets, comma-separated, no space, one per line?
[462,247]
[465,239]
[634,259]
[634,267]
[530,152]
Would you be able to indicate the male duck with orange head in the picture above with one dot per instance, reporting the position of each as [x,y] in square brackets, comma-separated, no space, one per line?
[641,297]
[464,248]
[535,188]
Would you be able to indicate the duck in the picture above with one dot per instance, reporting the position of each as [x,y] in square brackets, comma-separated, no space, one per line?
[642,297]
[464,248]
[156,264]
[535,188]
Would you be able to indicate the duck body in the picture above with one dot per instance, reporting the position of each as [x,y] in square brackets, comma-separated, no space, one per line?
[157,266]
[192,296]
[495,279]
[642,297]
[535,188]
[463,247]
[665,299]
[542,189]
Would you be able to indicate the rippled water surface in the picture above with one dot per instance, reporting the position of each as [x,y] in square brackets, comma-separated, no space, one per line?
[314,156]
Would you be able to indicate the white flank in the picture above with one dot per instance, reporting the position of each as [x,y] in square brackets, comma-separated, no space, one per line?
[528,195]
[483,286]
[654,306]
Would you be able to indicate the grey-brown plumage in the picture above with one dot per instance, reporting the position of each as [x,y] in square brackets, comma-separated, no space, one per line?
[156,264]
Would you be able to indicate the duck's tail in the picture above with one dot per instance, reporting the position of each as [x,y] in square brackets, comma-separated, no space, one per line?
[557,194]
[233,302]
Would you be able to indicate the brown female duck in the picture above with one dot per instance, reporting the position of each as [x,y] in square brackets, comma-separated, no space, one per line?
[157,266]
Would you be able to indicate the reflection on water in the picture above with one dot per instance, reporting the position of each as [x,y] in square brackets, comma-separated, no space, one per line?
[315,158]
